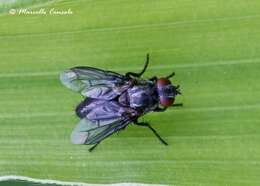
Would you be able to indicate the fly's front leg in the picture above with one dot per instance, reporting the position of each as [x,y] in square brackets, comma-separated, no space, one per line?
[128,74]
[152,129]
[177,105]
[171,75]
[158,109]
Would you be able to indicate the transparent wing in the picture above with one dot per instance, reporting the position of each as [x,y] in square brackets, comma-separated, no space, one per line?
[82,79]
[89,132]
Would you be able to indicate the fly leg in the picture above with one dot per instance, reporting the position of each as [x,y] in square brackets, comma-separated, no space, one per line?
[128,74]
[93,147]
[158,109]
[177,105]
[171,75]
[152,129]
[154,78]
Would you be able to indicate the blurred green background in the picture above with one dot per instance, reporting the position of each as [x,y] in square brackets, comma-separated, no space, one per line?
[214,48]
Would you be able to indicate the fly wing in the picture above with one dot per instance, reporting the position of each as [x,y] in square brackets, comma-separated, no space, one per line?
[88,132]
[91,81]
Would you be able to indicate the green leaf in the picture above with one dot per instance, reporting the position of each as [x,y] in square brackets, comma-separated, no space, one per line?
[214,49]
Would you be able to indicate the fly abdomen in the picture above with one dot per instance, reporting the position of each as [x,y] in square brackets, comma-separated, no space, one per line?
[82,110]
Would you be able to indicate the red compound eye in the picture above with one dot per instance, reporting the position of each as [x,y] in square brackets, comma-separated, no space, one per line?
[162,82]
[165,101]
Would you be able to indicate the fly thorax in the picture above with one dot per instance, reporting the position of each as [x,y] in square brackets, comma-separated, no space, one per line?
[139,96]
